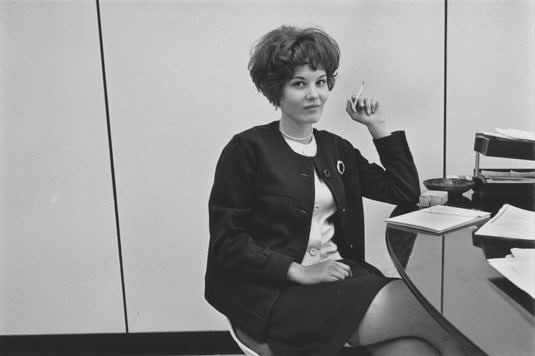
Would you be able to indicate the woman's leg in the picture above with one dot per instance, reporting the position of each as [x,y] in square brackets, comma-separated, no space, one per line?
[395,313]
[405,346]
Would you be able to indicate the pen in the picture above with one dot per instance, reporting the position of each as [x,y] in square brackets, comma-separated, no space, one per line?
[354,103]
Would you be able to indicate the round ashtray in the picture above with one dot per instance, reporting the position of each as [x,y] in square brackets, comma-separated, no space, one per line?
[450,185]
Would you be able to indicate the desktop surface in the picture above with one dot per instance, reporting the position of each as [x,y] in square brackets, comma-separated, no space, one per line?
[450,276]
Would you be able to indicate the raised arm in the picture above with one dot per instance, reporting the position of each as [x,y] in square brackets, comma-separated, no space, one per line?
[398,182]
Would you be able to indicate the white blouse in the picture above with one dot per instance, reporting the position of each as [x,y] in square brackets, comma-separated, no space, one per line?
[320,245]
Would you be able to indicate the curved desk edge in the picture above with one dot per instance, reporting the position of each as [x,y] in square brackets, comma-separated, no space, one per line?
[472,348]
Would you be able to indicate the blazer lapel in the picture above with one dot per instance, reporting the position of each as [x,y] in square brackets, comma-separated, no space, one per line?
[326,162]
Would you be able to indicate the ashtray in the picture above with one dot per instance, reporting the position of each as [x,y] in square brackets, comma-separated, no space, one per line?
[450,185]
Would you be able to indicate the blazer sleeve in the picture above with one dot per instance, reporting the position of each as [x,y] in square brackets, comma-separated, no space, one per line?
[398,182]
[231,245]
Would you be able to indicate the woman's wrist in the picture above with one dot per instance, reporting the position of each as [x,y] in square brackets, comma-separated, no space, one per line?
[378,130]
[293,272]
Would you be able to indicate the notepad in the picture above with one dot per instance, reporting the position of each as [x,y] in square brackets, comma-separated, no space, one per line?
[439,219]
[510,223]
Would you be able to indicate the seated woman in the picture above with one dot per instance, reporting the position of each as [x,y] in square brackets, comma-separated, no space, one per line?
[286,259]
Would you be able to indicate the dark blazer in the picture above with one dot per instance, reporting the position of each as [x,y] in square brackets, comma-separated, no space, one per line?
[261,208]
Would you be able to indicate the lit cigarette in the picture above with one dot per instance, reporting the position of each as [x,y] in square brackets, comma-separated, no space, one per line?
[354,102]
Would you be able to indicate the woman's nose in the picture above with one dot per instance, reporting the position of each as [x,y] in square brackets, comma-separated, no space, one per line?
[312,93]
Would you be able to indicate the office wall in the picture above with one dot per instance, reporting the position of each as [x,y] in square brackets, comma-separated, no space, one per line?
[59,266]
[179,89]
[491,76]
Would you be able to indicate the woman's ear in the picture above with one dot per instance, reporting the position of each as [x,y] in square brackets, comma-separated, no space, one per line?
[332,80]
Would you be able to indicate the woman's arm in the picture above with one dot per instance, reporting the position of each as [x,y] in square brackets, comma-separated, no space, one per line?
[398,182]
[231,200]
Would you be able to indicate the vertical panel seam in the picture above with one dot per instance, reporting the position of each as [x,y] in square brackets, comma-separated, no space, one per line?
[110,145]
[442,265]
[445,121]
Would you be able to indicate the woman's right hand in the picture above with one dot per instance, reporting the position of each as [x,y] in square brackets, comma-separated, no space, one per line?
[327,271]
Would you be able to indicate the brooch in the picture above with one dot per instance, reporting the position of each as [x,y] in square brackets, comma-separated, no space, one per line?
[341,167]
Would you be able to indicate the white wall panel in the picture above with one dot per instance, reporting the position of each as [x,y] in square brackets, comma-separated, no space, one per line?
[491,76]
[179,89]
[59,265]
[491,83]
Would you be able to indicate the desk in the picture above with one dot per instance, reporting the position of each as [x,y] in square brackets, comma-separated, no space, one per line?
[451,278]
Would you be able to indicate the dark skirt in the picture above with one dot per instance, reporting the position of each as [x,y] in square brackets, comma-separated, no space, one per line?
[319,319]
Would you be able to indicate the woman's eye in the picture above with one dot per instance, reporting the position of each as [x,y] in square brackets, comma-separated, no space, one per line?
[298,84]
[322,82]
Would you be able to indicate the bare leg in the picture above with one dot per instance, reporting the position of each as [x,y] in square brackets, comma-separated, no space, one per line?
[396,313]
[405,346]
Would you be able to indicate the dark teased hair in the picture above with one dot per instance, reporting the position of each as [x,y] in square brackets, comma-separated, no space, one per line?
[276,55]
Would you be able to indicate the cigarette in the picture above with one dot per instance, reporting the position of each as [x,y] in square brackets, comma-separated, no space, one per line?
[354,103]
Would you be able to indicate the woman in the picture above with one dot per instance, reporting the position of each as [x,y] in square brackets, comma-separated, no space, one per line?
[286,258]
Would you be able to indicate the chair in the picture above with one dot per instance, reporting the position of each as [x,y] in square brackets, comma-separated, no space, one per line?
[247,351]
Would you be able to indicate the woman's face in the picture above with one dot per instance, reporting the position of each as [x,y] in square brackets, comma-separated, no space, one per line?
[303,96]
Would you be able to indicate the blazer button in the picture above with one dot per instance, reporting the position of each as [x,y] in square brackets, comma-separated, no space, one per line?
[326,173]
[343,211]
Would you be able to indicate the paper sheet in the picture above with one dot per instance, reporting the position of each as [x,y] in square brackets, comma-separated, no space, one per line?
[511,223]
[520,271]
[523,253]
[517,134]
[439,218]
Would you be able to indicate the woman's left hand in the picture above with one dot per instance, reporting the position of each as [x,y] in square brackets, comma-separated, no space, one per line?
[369,113]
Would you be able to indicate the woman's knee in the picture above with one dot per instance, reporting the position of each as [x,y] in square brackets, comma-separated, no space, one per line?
[392,313]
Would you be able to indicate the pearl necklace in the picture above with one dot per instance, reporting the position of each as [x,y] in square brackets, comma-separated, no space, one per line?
[300,140]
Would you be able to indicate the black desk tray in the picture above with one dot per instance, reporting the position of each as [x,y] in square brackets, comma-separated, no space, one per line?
[490,196]
[500,147]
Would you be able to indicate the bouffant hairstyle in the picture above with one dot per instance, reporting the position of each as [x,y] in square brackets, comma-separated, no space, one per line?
[276,55]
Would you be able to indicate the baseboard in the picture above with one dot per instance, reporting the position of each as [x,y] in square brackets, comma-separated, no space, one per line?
[168,343]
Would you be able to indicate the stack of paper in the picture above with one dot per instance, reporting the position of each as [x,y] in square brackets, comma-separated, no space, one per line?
[517,134]
[519,268]
[439,218]
[505,177]
[510,223]
[512,134]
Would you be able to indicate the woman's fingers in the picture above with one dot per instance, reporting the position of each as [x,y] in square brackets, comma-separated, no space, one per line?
[349,107]
[327,271]
[341,270]
[357,114]
[359,108]
[339,275]
[345,269]
[361,104]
